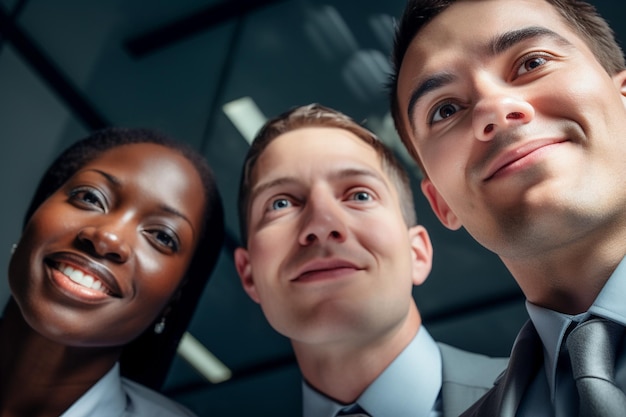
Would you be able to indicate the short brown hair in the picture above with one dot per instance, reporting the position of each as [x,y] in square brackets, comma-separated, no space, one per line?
[581,16]
[316,115]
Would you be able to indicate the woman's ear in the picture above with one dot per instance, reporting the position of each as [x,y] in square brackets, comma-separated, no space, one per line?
[439,206]
[422,254]
[242,264]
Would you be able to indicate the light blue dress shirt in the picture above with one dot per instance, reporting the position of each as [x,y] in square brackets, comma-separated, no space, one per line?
[409,387]
[545,398]
[114,396]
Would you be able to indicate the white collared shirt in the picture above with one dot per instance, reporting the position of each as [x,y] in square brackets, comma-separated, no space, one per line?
[114,396]
[541,399]
[409,386]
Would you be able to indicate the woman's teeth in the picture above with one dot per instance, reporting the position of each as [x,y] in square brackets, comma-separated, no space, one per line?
[81,278]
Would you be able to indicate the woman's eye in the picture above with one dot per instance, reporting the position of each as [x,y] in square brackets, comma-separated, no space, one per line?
[444,111]
[88,197]
[165,239]
[280,203]
[361,196]
[530,64]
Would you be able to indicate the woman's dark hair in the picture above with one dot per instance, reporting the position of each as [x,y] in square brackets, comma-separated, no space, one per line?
[147,358]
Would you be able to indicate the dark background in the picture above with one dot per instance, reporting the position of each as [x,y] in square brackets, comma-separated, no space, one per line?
[69,66]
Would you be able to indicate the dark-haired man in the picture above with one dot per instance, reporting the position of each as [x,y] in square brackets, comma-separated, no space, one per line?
[516,111]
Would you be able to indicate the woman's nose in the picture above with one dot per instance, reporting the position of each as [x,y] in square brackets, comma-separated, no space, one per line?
[106,242]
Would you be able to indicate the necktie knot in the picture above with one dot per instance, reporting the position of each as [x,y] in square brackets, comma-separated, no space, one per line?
[352,411]
[592,347]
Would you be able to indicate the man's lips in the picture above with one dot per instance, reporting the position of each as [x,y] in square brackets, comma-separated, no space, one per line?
[509,157]
[324,268]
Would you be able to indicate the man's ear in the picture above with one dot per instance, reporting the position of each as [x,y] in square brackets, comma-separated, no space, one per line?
[421,254]
[242,264]
[620,82]
[439,205]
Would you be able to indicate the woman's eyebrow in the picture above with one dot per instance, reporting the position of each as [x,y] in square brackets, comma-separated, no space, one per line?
[110,178]
[163,207]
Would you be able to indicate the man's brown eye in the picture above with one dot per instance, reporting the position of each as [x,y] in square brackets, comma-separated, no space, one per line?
[447,111]
[444,111]
[530,64]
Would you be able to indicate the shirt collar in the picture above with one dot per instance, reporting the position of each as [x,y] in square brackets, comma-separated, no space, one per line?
[552,325]
[106,397]
[410,385]
[610,302]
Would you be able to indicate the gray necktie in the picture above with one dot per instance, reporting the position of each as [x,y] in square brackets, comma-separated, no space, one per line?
[592,346]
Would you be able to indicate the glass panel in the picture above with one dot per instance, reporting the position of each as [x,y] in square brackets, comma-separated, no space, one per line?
[33,124]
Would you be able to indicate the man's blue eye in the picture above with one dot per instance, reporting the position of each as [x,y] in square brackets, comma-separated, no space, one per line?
[362,196]
[280,203]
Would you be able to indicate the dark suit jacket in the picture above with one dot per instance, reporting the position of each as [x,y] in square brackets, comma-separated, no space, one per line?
[466,377]
[504,398]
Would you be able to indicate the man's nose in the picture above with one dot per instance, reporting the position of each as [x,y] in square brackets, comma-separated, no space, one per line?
[498,108]
[323,219]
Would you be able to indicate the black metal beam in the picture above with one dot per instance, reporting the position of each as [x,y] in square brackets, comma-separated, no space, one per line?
[50,73]
[13,14]
[192,24]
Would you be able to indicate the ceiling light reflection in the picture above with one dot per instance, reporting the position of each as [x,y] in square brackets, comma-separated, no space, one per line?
[199,357]
[246,116]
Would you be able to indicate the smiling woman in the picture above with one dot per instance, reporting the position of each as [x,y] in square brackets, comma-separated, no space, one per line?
[118,242]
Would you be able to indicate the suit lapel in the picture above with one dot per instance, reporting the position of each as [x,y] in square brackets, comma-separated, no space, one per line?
[504,399]
[467,376]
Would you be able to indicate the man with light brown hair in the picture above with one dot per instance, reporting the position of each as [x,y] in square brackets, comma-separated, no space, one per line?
[331,252]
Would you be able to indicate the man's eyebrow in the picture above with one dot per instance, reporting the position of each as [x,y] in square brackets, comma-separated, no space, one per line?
[507,40]
[496,46]
[288,180]
[358,172]
[262,187]
[426,86]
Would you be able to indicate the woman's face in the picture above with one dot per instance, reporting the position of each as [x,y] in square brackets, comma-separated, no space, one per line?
[100,259]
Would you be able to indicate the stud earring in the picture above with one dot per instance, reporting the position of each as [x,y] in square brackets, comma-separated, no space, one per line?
[160,326]
[13,248]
